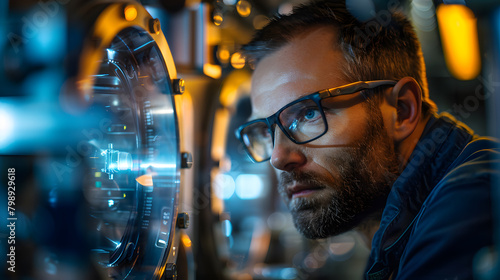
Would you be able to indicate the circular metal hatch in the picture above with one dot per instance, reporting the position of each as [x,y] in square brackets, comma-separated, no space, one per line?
[133,177]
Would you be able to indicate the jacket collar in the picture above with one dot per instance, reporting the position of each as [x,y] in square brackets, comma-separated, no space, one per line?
[440,144]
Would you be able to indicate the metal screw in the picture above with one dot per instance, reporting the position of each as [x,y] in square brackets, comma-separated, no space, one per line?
[186,160]
[178,86]
[183,220]
[154,26]
[170,272]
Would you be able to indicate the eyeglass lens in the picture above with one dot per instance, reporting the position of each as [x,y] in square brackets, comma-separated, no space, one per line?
[302,121]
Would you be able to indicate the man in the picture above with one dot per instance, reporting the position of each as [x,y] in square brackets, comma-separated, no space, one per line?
[341,110]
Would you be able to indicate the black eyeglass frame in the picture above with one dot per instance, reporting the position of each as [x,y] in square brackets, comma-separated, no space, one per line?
[316,97]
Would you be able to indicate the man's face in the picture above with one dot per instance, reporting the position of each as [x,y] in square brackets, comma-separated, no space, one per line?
[331,183]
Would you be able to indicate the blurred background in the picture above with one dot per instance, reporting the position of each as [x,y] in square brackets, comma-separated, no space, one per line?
[118,120]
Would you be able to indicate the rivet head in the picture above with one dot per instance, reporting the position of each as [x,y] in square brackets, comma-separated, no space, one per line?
[186,160]
[154,26]
[170,272]
[183,220]
[178,86]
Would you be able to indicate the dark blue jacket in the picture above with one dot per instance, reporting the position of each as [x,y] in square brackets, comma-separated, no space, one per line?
[439,212]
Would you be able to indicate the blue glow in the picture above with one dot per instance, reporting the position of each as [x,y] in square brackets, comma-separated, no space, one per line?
[249,186]
[227,228]
[111,54]
[288,273]
[45,34]
[157,165]
[44,85]
[53,197]
[111,203]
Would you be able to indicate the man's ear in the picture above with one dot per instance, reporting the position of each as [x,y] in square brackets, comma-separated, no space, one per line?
[406,97]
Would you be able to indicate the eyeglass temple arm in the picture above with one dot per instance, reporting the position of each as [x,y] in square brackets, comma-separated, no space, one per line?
[355,87]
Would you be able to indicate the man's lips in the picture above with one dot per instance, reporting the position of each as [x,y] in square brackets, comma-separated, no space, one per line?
[298,190]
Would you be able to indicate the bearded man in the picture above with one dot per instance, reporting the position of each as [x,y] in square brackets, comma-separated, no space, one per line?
[341,109]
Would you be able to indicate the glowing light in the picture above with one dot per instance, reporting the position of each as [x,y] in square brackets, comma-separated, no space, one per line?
[221,124]
[124,127]
[157,165]
[224,186]
[249,186]
[218,19]
[130,13]
[163,111]
[237,60]
[244,8]
[236,84]
[186,241]
[224,55]
[98,184]
[145,180]
[227,228]
[111,203]
[458,29]
[124,195]
[211,70]
[97,174]
[285,8]
[6,127]
[124,161]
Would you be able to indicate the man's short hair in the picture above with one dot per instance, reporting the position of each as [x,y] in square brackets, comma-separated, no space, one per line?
[383,47]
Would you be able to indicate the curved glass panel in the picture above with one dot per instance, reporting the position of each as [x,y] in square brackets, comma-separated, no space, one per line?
[133,178]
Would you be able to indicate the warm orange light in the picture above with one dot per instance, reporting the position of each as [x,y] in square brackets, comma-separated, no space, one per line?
[186,241]
[145,180]
[224,55]
[218,19]
[458,28]
[130,13]
[244,8]
[219,134]
[237,60]
[212,70]
[236,84]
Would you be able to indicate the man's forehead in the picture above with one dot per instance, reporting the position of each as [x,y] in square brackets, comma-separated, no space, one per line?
[307,64]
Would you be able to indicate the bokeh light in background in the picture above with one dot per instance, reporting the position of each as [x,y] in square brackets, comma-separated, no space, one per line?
[249,186]
[244,8]
[237,61]
[458,29]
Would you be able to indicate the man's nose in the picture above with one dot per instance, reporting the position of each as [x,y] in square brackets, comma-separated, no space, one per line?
[286,155]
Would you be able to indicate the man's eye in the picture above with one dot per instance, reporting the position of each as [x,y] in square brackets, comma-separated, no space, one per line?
[311,114]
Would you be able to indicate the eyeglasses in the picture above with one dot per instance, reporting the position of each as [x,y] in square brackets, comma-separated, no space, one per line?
[302,120]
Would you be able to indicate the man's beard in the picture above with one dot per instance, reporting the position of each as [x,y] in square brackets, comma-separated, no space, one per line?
[365,176]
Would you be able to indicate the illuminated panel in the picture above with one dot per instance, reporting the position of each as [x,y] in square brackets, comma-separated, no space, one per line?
[458,28]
